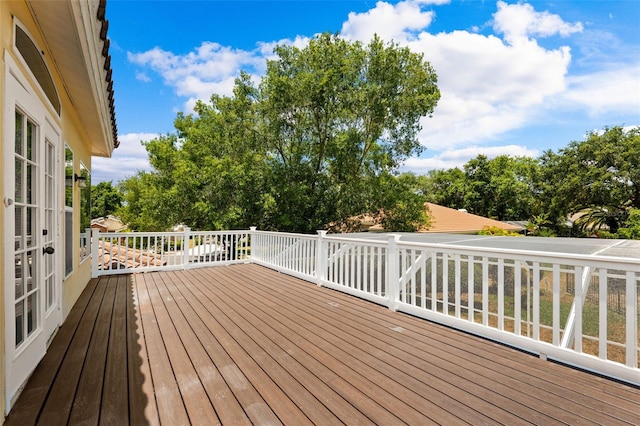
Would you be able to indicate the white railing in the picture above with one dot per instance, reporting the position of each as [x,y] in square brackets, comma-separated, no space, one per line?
[85,244]
[130,252]
[535,301]
[556,305]
[295,254]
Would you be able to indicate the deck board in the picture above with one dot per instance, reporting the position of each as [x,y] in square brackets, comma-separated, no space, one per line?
[246,345]
[366,354]
[86,406]
[57,407]
[492,380]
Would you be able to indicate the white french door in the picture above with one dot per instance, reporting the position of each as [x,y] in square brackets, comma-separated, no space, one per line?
[51,275]
[31,231]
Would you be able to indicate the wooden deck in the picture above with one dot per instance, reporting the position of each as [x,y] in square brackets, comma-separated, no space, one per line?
[244,344]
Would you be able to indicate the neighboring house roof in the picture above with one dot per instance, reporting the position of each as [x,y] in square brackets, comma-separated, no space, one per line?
[447,220]
[108,224]
[86,75]
[116,256]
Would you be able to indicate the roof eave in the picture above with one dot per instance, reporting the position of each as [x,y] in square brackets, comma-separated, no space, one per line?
[75,34]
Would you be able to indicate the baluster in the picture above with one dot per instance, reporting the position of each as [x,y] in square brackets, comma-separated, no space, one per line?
[379,253]
[536,301]
[358,266]
[445,284]
[413,277]
[501,294]
[366,265]
[434,282]
[517,298]
[631,308]
[485,291]
[556,304]
[577,331]
[458,273]
[423,280]
[471,289]
[603,335]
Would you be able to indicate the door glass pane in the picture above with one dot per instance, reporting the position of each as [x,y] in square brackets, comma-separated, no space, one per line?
[30,270]
[19,124]
[31,226]
[19,280]
[31,140]
[19,322]
[18,173]
[30,182]
[32,313]
[49,159]
[49,292]
[19,232]
[49,224]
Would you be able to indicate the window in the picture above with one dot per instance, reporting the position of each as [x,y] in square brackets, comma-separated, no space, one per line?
[68,210]
[32,56]
[85,212]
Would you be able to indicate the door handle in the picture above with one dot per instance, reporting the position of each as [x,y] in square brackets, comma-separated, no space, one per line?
[48,250]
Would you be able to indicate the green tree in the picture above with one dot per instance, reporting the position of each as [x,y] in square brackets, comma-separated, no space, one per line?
[599,177]
[146,204]
[630,229]
[405,209]
[501,188]
[446,188]
[337,117]
[318,141]
[105,199]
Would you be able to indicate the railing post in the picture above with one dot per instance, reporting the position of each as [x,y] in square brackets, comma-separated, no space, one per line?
[95,252]
[185,247]
[321,258]
[252,232]
[393,282]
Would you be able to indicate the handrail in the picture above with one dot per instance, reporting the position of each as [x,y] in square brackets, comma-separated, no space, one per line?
[131,252]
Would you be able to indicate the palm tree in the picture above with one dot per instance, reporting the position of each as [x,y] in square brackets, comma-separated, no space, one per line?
[596,218]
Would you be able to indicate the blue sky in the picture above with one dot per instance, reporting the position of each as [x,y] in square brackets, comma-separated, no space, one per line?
[516,78]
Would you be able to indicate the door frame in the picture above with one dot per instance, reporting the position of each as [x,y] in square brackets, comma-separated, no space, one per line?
[22,95]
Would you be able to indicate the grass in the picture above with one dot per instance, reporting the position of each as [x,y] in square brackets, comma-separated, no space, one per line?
[616,323]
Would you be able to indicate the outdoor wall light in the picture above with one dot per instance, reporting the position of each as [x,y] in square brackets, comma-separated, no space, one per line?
[82,180]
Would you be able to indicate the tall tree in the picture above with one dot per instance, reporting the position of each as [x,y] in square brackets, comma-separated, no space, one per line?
[501,187]
[317,141]
[105,199]
[337,116]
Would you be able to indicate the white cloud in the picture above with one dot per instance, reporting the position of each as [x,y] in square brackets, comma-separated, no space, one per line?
[615,90]
[490,84]
[141,76]
[458,157]
[209,68]
[397,22]
[265,49]
[487,87]
[520,21]
[129,158]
